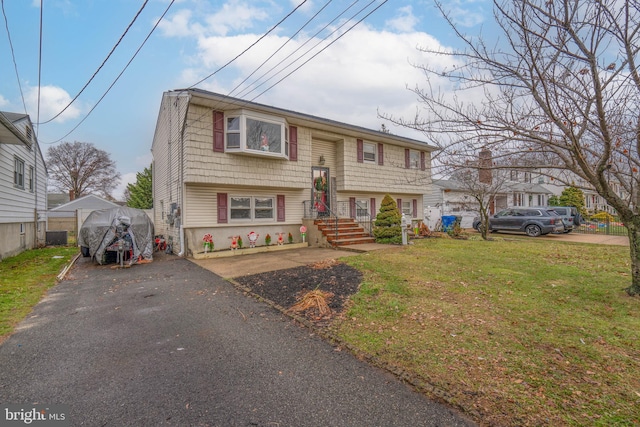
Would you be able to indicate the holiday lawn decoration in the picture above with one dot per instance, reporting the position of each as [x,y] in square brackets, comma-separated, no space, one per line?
[253,238]
[207,242]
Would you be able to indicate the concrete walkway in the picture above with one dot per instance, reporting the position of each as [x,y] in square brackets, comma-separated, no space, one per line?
[242,265]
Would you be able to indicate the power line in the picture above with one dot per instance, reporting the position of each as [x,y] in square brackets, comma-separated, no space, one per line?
[324,48]
[281,46]
[316,54]
[119,75]
[101,65]
[13,56]
[252,45]
[244,92]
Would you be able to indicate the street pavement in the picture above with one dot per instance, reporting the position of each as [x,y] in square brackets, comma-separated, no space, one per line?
[171,343]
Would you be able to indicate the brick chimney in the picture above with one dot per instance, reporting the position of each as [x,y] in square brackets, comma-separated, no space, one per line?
[72,195]
[484,167]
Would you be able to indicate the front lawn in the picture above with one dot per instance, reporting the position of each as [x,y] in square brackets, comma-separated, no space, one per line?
[514,331]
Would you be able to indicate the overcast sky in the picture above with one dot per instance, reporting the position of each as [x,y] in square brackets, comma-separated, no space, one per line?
[346,71]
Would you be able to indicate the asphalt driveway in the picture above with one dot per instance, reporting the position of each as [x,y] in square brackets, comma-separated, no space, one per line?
[170,343]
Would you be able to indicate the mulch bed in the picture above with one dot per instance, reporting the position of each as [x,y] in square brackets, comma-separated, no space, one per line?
[287,287]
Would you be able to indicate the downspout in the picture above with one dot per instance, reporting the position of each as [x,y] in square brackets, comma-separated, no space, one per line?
[181,177]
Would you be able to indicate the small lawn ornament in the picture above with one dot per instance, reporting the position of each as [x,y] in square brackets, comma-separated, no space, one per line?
[234,242]
[208,243]
[303,232]
[267,239]
[253,238]
[290,238]
[280,239]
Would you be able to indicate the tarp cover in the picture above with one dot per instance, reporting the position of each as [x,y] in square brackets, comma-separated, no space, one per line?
[100,228]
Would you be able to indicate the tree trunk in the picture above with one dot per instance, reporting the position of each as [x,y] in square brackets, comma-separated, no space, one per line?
[633,230]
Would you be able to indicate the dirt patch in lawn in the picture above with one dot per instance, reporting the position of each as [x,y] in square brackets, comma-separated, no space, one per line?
[297,288]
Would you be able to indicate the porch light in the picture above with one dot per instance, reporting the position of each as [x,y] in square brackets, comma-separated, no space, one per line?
[321,161]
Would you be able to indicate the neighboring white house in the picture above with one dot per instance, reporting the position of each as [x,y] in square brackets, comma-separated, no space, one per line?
[226,167]
[450,197]
[23,183]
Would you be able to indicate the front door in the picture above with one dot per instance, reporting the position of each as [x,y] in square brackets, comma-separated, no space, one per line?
[320,190]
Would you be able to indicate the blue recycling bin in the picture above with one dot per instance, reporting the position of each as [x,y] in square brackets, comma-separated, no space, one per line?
[448,222]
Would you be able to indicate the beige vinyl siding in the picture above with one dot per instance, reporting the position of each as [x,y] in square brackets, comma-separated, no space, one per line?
[345,196]
[392,176]
[166,148]
[326,149]
[202,205]
[207,167]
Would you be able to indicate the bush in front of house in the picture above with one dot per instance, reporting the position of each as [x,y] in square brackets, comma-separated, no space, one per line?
[387,226]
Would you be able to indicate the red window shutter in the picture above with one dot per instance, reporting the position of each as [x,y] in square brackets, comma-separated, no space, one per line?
[423,162]
[222,208]
[280,203]
[218,131]
[399,202]
[407,158]
[373,209]
[381,154]
[293,143]
[352,207]
[360,151]
[415,208]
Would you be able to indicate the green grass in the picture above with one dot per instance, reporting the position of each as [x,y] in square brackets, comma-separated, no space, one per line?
[24,279]
[517,332]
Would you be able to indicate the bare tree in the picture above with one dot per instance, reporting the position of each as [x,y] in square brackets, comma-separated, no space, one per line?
[480,182]
[563,83]
[82,168]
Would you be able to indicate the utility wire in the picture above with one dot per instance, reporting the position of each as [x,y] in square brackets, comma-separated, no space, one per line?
[101,65]
[13,56]
[246,91]
[241,103]
[281,47]
[252,45]
[119,75]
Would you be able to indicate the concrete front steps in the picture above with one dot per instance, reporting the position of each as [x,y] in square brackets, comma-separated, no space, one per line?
[348,232]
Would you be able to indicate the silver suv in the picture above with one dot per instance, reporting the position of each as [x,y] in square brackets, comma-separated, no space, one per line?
[532,221]
[571,218]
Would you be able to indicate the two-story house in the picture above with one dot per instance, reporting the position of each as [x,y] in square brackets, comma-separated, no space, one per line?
[23,186]
[227,167]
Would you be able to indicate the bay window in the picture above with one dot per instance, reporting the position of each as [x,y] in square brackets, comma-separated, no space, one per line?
[256,134]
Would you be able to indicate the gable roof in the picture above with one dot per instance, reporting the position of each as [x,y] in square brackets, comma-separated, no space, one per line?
[85,202]
[9,133]
[217,101]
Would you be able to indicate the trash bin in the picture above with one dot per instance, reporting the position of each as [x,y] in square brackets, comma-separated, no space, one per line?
[448,222]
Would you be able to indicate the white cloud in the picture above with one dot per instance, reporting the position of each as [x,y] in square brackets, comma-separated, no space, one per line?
[52,100]
[404,21]
[3,102]
[235,16]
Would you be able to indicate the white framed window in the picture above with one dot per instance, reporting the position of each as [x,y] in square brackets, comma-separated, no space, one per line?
[256,134]
[18,172]
[31,179]
[369,152]
[414,159]
[362,207]
[252,208]
[407,208]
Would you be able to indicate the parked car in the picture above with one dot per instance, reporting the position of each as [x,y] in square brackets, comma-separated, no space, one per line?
[571,218]
[532,221]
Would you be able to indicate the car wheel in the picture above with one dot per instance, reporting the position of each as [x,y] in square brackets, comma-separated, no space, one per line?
[85,251]
[533,230]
